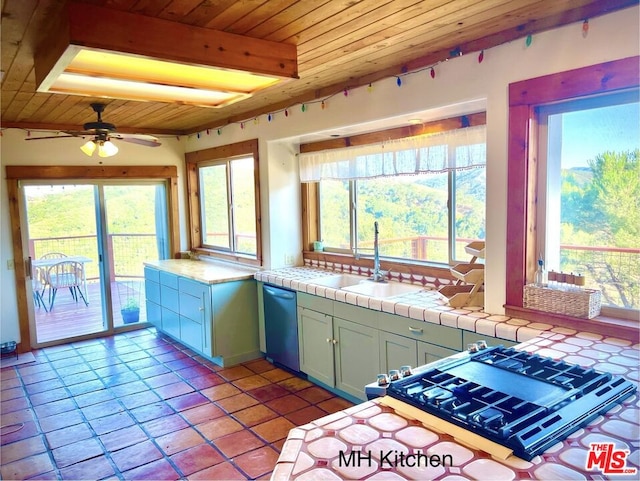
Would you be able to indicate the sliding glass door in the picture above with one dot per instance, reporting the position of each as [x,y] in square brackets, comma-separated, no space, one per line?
[87,243]
[136,231]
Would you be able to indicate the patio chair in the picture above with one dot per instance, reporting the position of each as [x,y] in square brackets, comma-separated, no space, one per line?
[38,284]
[53,255]
[66,274]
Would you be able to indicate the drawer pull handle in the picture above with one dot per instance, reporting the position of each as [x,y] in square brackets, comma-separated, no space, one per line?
[416,330]
[328,340]
[334,341]
[201,308]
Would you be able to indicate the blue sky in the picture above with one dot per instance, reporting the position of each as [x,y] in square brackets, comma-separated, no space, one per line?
[587,133]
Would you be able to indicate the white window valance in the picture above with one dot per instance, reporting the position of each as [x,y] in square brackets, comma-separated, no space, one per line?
[440,152]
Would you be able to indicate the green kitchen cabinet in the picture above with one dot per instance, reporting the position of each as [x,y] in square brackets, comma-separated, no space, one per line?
[428,353]
[336,352]
[357,356]
[469,337]
[152,296]
[219,320]
[396,351]
[315,341]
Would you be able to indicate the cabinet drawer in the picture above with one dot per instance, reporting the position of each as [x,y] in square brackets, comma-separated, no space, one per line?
[154,314]
[191,286]
[469,337]
[422,331]
[315,303]
[152,274]
[428,353]
[169,298]
[167,279]
[356,314]
[152,291]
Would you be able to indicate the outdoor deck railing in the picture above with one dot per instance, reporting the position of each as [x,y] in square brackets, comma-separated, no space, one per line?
[615,270]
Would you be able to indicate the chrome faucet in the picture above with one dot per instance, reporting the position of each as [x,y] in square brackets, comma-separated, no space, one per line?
[378,275]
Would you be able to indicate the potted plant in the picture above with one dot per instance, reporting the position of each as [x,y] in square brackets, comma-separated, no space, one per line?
[130,311]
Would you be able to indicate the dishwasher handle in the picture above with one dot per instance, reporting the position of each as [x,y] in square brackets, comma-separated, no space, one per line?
[279,293]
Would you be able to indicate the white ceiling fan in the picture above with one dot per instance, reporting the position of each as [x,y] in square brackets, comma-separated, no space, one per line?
[103,133]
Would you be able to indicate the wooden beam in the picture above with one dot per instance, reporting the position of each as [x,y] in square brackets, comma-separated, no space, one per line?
[107,29]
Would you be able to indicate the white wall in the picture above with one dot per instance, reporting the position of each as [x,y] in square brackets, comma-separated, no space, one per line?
[14,150]
[460,82]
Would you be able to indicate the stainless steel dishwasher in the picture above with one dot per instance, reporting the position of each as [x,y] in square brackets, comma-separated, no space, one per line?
[281,326]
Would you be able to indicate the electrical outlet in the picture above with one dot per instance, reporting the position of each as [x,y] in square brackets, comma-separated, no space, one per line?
[289,259]
[11,265]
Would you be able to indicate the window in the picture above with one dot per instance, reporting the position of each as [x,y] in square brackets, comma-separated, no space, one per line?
[225,205]
[589,188]
[526,100]
[426,206]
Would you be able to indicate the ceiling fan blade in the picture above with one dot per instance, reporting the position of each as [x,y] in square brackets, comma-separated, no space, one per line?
[50,137]
[146,140]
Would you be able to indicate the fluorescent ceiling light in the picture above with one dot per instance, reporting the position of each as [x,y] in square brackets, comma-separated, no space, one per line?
[100,52]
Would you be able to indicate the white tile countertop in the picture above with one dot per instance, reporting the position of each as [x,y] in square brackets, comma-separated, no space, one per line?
[209,272]
[424,305]
[312,451]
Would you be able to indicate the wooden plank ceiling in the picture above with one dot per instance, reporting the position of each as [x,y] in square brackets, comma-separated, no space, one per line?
[341,44]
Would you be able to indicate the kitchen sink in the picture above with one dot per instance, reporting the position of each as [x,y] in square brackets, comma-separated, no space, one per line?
[338,281]
[382,289]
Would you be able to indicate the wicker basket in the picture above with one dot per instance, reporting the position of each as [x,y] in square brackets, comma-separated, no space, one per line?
[584,303]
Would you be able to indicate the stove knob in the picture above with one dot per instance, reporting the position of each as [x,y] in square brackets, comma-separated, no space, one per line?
[472,347]
[405,371]
[482,344]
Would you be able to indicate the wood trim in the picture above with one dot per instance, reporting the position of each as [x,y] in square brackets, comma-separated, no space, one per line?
[443,125]
[20,268]
[310,215]
[524,97]
[517,199]
[15,173]
[39,172]
[193,160]
[581,82]
[223,151]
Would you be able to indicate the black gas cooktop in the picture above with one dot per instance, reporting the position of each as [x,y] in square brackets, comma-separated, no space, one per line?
[520,400]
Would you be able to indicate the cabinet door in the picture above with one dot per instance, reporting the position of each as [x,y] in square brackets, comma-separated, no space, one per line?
[357,356]
[315,333]
[396,351]
[428,353]
[195,323]
[170,322]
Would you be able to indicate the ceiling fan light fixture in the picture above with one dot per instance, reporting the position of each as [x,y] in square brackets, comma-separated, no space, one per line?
[89,148]
[107,149]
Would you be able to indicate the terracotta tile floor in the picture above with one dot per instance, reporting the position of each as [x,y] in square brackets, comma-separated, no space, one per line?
[140,406]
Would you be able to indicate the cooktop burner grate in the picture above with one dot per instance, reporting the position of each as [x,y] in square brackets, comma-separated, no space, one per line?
[520,400]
